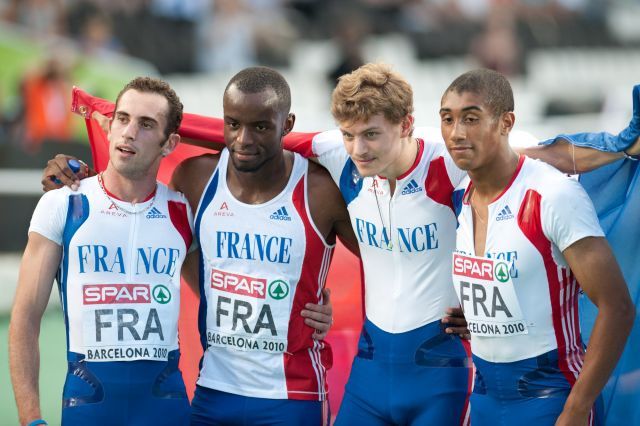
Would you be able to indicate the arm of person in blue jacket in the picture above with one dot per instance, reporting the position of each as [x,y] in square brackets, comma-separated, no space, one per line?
[583,152]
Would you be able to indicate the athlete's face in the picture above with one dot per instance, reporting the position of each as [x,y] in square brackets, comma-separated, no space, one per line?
[254,125]
[374,145]
[137,139]
[471,131]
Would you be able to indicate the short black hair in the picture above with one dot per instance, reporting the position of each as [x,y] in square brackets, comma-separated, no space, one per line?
[491,85]
[162,88]
[257,79]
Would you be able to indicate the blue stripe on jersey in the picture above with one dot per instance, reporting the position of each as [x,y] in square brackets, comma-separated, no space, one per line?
[456,197]
[207,197]
[350,182]
[77,214]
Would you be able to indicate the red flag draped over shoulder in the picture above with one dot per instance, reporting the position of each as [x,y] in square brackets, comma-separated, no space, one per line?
[193,126]
[344,274]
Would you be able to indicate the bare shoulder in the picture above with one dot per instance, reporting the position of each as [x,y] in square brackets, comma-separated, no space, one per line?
[325,199]
[191,176]
[320,182]
[328,208]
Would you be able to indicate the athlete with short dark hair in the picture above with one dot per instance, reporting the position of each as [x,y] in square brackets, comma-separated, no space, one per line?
[266,221]
[115,246]
[528,241]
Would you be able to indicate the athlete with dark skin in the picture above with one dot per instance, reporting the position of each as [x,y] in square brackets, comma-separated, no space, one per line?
[255,124]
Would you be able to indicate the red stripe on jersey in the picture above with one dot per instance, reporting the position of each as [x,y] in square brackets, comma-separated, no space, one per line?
[465,196]
[112,195]
[562,293]
[306,361]
[437,184]
[416,161]
[180,219]
[513,178]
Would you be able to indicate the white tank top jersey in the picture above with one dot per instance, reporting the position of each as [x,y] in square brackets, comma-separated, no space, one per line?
[538,215]
[119,277]
[406,239]
[260,264]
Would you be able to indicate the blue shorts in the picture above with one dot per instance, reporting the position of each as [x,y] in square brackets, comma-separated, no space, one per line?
[125,393]
[527,392]
[213,407]
[421,377]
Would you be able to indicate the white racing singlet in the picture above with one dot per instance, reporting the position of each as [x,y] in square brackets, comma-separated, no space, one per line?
[119,277]
[521,294]
[260,264]
[406,239]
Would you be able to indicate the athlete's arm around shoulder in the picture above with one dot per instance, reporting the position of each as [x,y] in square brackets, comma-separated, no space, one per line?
[190,177]
[569,158]
[38,269]
[572,223]
[328,209]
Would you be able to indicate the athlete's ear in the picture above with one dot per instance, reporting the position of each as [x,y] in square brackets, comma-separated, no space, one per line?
[407,126]
[288,124]
[171,144]
[507,121]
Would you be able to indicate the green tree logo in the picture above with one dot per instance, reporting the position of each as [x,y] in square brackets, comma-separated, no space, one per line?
[502,272]
[161,294]
[278,289]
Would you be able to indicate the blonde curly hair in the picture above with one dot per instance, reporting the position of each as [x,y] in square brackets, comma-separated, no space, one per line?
[372,89]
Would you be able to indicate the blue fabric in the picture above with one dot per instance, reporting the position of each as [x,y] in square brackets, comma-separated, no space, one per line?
[213,407]
[125,393]
[457,197]
[606,141]
[207,197]
[530,392]
[350,182]
[615,191]
[77,214]
[419,377]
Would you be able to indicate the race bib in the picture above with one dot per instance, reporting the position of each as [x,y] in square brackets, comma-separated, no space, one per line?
[126,322]
[248,313]
[487,296]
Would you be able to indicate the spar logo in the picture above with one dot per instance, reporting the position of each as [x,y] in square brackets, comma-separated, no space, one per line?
[114,294]
[473,268]
[238,284]
[502,272]
[278,289]
[111,294]
[161,294]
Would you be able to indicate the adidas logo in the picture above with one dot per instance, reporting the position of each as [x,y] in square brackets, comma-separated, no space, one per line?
[154,213]
[280,214]
[505,214]
[411,188]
